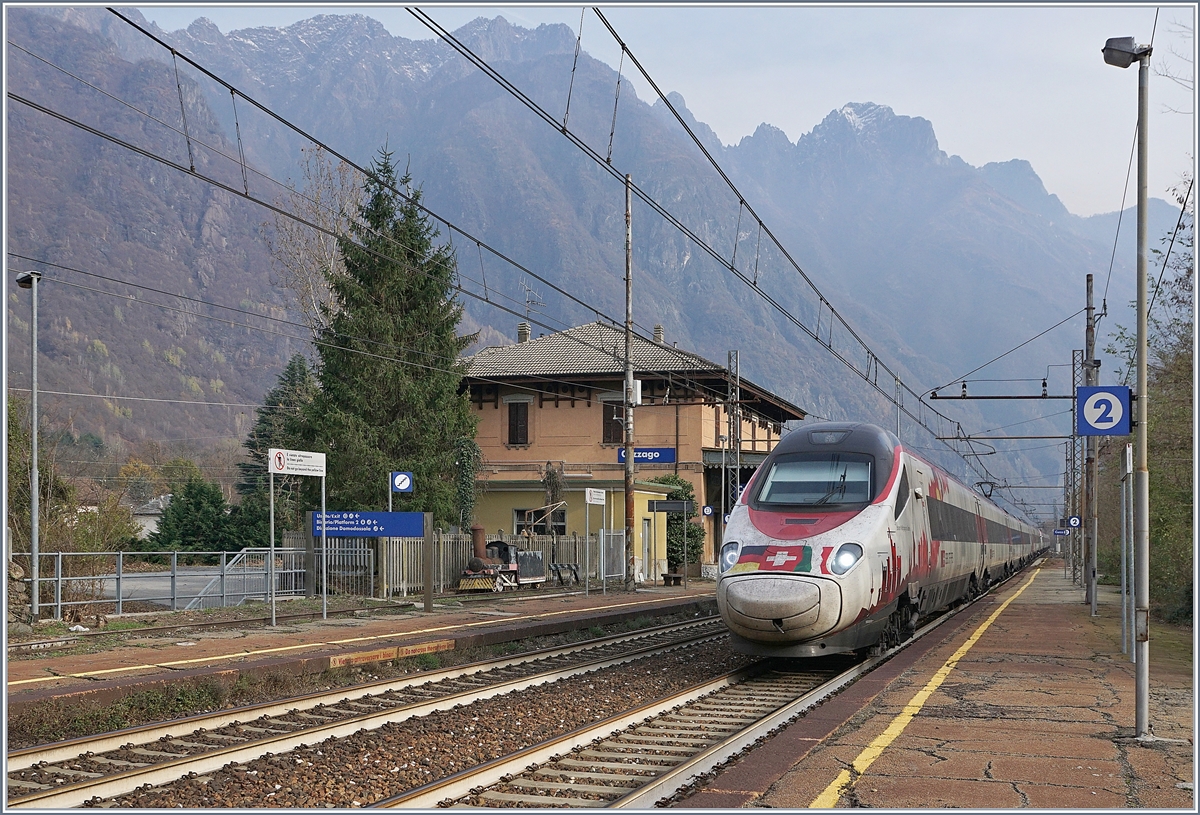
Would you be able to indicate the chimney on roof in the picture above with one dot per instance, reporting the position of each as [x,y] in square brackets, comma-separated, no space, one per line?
[658,334]
[523,329]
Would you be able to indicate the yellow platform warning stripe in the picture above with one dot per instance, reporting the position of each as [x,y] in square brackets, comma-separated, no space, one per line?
[829,798]
[312,645]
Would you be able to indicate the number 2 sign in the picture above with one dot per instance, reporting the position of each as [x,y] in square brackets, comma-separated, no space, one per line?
[1102,411]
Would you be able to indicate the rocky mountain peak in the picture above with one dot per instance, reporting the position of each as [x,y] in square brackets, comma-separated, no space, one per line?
[876,133]
[498,40]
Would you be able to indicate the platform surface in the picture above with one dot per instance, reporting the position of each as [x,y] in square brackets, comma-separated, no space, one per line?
[1023,701]
[313,646]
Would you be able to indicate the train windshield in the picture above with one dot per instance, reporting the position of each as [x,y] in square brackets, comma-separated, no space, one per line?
[817,480]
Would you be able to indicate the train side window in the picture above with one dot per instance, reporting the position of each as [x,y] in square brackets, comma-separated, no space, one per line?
[903,493]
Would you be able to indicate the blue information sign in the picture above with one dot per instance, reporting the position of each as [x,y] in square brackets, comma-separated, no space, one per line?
[402,482]
[1102,411]
[371,524]
[648,455]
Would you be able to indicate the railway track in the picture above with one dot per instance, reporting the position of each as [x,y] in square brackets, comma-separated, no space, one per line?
[648,754]
[634,756]
[68,774]
[645,756]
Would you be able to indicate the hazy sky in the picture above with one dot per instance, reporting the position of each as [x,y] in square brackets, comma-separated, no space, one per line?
[996,82]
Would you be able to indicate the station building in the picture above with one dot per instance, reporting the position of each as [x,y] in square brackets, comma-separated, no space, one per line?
[557,402]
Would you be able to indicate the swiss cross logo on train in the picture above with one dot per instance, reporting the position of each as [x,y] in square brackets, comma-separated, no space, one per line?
[780,558]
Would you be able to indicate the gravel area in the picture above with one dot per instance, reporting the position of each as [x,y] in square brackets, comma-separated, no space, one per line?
[380,763]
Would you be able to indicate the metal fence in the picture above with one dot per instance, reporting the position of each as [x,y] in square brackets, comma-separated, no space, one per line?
[402,560]
[92,582]
[95,582]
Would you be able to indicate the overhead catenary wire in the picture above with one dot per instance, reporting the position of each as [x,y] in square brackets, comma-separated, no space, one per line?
[543,380]
[279,211]
[835,352]
[482,64]
[176,55]
[872,358]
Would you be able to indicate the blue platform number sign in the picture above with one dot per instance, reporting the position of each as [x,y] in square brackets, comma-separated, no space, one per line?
[1074,522]
[1102,411]
[708,511]
[402,482]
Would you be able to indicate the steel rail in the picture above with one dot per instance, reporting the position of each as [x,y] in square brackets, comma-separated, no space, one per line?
[492,772]
[74,794]
[705,757]
[144,734]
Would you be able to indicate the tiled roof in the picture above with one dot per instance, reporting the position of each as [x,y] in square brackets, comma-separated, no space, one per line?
[595,348]
[598,349]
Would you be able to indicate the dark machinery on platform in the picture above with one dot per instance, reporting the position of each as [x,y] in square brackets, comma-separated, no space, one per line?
[497,566]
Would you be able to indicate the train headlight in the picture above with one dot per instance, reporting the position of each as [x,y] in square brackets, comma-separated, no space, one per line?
[729,555]
[846,556]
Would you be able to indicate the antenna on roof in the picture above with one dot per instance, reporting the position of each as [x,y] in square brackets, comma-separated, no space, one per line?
[532,298]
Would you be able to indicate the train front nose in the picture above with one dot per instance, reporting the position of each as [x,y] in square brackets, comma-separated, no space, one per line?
[778,609]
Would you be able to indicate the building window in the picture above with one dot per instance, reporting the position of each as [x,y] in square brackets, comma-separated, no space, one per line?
[518,423]
[556,524]
[613,416]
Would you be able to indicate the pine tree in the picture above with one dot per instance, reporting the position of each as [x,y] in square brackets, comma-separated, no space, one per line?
[196,520]
[390,367]
[277,424]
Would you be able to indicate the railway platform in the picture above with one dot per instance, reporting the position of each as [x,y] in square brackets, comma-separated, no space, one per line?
[136,662]
[1021,701]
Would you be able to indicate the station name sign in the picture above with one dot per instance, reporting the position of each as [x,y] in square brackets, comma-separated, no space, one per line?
[648,455]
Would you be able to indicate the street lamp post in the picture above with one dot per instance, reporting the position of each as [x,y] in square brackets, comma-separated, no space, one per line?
[1122,52]
[29,280]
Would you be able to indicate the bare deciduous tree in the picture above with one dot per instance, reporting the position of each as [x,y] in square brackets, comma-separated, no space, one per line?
[1185,77]
[304,259]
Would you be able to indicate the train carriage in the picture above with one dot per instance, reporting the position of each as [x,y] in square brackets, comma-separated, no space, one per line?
[843,540]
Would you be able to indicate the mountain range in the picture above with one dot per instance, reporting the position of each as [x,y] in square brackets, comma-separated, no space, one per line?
[937,265]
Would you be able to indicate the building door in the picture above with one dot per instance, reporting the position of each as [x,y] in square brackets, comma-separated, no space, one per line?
[647,552]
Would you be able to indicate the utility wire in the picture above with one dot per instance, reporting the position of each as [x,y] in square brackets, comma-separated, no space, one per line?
[873,359]
[545,380]
[1006,353]
[449,225]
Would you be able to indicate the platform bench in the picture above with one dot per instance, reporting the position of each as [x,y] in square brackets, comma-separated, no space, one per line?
[670,579]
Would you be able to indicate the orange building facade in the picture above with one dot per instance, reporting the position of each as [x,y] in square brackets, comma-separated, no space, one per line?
[557,401]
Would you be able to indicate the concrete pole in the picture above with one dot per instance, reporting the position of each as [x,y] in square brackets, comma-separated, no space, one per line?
[1141,497]
[1092,377]
[34,494]
[629,574]
[271,570]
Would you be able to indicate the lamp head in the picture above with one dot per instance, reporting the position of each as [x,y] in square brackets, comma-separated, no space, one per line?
[1123,51]
[25,279]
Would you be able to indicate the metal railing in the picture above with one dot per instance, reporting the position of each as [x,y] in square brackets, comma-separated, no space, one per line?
[366,567]
[105,582]
[402,560]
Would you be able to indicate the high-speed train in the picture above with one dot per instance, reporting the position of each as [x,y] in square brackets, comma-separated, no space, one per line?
[843,540]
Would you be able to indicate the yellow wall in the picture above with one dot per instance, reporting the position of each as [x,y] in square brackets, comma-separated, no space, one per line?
[494,512]
[568,432]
